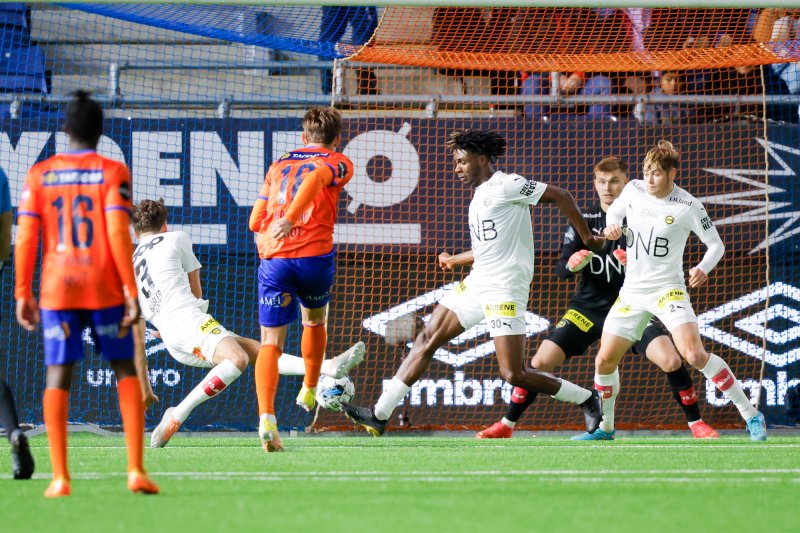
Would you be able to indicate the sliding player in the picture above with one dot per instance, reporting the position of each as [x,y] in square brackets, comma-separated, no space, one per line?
[660,215]
[81,203]
[171,298]
[498,287]
[582,324]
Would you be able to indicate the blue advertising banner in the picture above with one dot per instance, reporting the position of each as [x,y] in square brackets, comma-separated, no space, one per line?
[405,200]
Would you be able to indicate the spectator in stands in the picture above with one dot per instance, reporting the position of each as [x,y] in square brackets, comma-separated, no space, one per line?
[746,80]
[477,30]
[781,28]
[364,22]
[588,84]
[670,83]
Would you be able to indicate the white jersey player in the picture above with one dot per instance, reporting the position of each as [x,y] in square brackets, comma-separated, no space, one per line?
[497,289]
[170,295]
[660,216]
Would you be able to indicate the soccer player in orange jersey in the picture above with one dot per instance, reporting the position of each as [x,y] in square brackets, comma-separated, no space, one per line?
[293,217]
[80,203]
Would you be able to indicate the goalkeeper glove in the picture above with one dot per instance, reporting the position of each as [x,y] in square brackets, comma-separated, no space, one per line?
[622,256]
[579,259]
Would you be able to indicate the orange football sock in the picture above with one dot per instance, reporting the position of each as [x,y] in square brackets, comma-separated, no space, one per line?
[131,407]
[312,346]
[56,406]
[267,377]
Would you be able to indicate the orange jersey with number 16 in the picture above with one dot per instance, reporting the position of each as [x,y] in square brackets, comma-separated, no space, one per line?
[72,196]
[312,233]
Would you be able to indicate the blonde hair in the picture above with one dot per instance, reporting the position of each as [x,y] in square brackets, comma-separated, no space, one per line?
[663,155]
[322,124]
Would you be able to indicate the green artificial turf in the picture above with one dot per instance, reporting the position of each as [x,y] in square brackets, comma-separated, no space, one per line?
[358,483]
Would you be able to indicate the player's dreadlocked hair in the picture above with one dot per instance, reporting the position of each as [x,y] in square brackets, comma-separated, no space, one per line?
[664,155]
[484,142]
[84,118]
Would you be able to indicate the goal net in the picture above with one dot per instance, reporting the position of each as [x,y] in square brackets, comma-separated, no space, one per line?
[199,100]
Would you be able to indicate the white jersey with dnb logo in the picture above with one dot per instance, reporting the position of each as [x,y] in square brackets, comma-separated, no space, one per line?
[162,263]
[656,234]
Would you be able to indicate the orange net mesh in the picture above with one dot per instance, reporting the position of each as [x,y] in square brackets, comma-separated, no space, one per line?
[468,60]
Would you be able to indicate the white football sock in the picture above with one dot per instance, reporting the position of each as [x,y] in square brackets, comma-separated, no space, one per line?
[718,371]
[386,404]
[291,365]
[569,392]
[213,383]
[608,386]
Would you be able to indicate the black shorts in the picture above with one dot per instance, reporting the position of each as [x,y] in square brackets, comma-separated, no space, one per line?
[579,328]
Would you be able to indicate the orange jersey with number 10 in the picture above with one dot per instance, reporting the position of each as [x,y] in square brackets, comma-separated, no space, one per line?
[312,234]
[70,194]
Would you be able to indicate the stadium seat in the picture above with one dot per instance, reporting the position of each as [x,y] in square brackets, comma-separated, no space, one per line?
[13,36]
[14,14]
[22,70]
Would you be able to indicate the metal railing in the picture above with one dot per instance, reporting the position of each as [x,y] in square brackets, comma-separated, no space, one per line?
[432,103]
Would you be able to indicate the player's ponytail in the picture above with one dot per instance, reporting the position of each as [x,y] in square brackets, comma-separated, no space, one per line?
[84,119]
[664,155]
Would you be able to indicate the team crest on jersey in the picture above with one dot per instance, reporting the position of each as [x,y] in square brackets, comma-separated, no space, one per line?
[125,191]
[670,219]
[197,352]
[460,287]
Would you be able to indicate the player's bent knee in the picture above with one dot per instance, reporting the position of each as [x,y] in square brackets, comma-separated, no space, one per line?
[511,376]
[696,356]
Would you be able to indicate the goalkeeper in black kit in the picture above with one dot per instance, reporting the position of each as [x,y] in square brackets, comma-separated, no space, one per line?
[602,274]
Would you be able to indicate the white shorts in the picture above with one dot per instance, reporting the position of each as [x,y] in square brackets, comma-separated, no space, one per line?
[504,311]
[632,311]
[192,337]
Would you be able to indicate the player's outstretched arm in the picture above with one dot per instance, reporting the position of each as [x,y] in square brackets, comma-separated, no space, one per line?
[448,261]
[566,204]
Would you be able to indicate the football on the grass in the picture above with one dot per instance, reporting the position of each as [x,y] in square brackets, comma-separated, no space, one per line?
[331,392]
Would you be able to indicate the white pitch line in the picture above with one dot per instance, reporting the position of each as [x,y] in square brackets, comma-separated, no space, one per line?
[431,478]
[600,473]
[592,446]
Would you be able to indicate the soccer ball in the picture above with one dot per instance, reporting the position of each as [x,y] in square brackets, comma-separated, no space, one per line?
[331,392]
